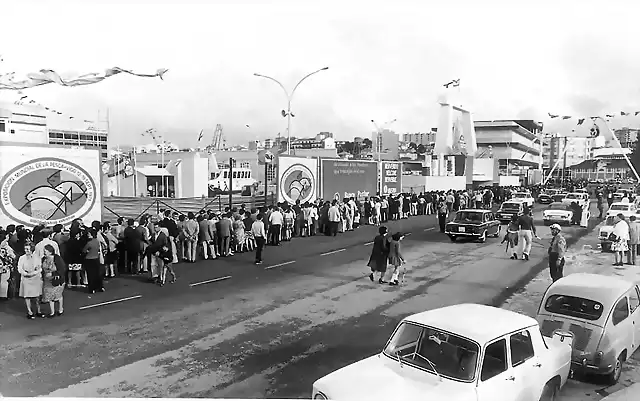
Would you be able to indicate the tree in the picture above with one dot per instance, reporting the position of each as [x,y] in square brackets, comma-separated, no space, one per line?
[421,149]
[367,143]
[413,146]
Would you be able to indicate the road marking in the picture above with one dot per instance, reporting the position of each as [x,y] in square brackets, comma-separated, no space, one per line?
[368,243]
[429,229]
[280,264]
[332,252]
[213,280]
[110,302]
[407,234]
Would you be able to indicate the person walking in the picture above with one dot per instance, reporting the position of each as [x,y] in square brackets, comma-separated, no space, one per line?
[443,213]
[557,249]
[276,220]
[379,255]
[91,263]
[526,233]
[634,240]
[260,236]
[396,259]
[334,218]
[53,273]
[511,238]
[620,239]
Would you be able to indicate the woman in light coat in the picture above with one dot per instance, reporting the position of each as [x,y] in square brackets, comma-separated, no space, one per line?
[30,270]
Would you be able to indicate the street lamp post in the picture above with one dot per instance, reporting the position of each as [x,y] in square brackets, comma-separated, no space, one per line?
[287,113]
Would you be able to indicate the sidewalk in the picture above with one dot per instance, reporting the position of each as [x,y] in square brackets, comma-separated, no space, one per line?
[583,257]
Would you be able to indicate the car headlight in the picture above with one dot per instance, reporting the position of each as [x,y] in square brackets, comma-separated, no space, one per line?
[320,396]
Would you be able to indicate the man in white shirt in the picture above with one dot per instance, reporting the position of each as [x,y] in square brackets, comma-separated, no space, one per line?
[334,218]
[38,252]
[276,219]
[620,245]
[260,236]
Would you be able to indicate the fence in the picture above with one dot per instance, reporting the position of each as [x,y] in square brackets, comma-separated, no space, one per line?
[114,207]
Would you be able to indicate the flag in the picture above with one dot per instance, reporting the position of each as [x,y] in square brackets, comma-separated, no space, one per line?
[580,121]
[636,113]
[44,77]
[553,115]
[200,136]
[622,113]
[566,117]
[609,116]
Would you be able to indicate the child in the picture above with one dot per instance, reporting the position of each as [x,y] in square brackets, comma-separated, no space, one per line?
[511,237]
[167,258]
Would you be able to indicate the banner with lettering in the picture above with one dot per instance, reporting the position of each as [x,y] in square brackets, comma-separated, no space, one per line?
[348,179]
[391,178]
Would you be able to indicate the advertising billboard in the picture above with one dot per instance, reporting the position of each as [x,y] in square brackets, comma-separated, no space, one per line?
[391,178]
[49,185]
[348,179]
[297,179]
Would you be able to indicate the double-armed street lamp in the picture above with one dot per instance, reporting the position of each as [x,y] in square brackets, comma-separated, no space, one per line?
[287,113]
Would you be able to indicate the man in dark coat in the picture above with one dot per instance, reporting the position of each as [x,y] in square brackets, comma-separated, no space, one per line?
[379,255]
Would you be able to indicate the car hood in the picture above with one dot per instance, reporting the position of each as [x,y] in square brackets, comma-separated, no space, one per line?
[557,212]
[381,378]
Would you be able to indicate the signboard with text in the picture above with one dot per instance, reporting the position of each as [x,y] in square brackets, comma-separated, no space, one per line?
[391,178]
[349,179]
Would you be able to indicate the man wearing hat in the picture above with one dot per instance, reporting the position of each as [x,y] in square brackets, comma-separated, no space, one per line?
[557,248]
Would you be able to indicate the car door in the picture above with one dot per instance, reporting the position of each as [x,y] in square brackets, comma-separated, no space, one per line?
[526,366]
[495,381]
[621,327]
[634,307]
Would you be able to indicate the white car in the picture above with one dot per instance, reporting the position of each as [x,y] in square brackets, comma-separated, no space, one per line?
[465,352]
[605,231]
[581,198]
[557,212]
[627,209]
[524,197]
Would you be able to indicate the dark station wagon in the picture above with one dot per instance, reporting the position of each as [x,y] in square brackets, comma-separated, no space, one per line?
[473,223]
[509,209]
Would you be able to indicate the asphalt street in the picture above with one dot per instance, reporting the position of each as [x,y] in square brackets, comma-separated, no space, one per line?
[258,331]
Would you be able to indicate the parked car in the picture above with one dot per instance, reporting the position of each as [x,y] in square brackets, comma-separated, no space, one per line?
[524,197]
[603,315]
[464,352]
[581,198]
[557,212]
[559,196]
[617,197]
[627,209]
[508,210]
[605,231]
[547,196]
[474,223]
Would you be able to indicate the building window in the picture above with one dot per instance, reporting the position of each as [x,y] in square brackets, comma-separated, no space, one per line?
[2,126]
[71,136]
[245,165]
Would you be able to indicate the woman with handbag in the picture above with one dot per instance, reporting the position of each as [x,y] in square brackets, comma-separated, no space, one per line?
[30,270]
[53,271]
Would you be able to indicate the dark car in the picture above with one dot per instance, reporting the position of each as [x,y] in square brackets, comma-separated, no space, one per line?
[546,197]
[473,223]
[559,196]
[508,210]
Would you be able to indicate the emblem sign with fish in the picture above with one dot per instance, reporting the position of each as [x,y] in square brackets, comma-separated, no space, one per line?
[47,191]
[297,184]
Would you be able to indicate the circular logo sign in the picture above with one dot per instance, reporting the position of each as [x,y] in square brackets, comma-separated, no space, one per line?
[47,191]
[297,184]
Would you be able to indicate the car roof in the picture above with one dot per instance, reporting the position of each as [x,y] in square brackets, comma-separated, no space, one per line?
[597,287]
[476,322]
[475,210]
[622,203]
[513,201]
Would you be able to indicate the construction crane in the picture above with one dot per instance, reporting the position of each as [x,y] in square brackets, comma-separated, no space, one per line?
[218,142]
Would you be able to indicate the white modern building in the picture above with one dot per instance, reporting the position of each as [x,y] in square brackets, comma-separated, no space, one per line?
[515,143]
[23,123]
[389,144]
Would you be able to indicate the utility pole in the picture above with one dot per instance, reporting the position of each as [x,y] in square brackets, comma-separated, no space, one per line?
[231,182]
[564,162]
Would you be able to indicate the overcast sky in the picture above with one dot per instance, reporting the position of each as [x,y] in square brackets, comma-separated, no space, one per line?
[514,59]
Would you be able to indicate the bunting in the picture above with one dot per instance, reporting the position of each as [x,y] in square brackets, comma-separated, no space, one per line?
[44,77]
[200,135]
[453,83]
[581,120]
[25,99]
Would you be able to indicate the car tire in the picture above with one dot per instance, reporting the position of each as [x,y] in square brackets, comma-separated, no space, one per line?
[550,392]
[483,237]
[452,238]
[614,376]
[497,235]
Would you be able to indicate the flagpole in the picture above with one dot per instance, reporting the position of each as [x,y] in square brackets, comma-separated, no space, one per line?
[135,173]
[117,165]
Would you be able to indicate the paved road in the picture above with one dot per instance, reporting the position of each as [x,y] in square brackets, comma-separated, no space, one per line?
[262,332]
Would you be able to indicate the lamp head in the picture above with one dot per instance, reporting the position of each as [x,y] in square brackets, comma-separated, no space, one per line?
[325,68]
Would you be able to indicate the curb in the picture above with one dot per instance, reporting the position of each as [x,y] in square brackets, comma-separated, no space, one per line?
[626,394]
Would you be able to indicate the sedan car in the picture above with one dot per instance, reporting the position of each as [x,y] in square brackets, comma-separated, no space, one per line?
[547,196]
[581,198]
[524,197]
[604,233]
[557,212]
[465,352]
[473,223]
[508,210]
[627,209]
[603,314]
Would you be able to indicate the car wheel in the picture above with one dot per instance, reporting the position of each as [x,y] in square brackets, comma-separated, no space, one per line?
[497,235]
[550,392]
[452,238]
[483,237]
[614,376]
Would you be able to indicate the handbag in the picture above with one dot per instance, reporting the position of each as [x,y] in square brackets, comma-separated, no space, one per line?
[613,237]
[56,280]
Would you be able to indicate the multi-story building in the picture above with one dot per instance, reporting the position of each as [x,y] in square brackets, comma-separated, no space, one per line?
[420,138]
[627,137]
[23,123]
[269,143]
[578,150]
[87,138]
[515,143]
[323,140]
[389,144]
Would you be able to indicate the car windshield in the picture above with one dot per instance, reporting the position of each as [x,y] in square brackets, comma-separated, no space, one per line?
[452,356]
[558,206]
[510,206]
[468,217]
[619,207]
[573,196]
[574,307]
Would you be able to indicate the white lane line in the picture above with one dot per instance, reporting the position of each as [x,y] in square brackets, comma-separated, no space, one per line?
[280,264]
[213,280]
[368,243]
[332,252]
[110,302]
[429,229]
